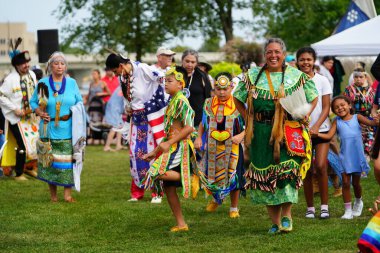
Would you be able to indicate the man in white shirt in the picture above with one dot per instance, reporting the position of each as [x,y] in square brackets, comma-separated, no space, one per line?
[15,95]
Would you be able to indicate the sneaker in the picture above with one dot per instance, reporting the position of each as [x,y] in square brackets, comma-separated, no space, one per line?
[337,192]
[178,229]
[310,214]
[274,229]
[133,200]
[234,214]
[324,214]
[286,224]
[212,206]
[347,215]
[358,208]
[156,200]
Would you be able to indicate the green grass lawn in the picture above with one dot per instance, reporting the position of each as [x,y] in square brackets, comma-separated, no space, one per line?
[103,221]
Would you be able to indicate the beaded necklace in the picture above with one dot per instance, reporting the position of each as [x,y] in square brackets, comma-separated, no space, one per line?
[56,92]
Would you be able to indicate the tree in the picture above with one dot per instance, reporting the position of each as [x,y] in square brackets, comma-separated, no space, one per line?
[215,16]
[134,26]
[142,25]
[298,22]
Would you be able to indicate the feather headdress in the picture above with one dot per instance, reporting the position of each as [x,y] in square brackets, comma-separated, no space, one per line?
[17,57]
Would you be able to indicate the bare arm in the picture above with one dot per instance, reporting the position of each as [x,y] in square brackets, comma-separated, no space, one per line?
[237,139]
[367,121]
[107,89]
[86,97]
[198,140]
[330,134]
[324,114]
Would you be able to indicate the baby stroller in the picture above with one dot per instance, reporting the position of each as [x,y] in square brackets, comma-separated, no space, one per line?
[97,130]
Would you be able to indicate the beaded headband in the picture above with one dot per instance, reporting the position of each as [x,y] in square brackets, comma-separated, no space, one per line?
[223,82]
[177,75]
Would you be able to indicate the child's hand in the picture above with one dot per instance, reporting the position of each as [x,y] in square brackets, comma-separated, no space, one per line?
[237,139]
[19,112]
[128,110]
[1,131]
[313,132]
[164,147]
[44,115]
[375,208]
[198,143]
[376,118]
[148,157]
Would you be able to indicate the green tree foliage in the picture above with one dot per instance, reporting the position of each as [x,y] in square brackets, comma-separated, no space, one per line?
[142,25]
[298,22]
[377,6]
[135,26]
[230,67]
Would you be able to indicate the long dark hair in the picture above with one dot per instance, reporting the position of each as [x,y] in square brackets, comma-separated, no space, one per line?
[114,60]
[309,50]
[327,58]
[352,110]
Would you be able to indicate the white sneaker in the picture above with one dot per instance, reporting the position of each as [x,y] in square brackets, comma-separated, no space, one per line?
[156,200]
[310,214]
[133,200]
[358,208]
[347,215]
[325,214]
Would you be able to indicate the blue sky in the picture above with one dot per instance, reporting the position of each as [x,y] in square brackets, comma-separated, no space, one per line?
[38,14]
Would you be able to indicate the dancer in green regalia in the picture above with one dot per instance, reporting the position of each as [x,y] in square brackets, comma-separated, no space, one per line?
[176,150]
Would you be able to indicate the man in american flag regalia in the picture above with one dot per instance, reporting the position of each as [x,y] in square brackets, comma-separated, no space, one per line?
[143,88]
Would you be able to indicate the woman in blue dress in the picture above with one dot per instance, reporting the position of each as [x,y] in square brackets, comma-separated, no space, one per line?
[56,125]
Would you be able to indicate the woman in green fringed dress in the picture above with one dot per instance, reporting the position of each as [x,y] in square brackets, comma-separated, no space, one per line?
[275,170]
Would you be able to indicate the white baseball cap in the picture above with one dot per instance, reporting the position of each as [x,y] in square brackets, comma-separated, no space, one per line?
[165,51]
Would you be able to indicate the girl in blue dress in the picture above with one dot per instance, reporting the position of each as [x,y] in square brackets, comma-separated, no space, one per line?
[347,126]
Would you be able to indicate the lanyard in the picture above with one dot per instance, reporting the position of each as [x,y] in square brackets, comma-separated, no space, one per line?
[271,89]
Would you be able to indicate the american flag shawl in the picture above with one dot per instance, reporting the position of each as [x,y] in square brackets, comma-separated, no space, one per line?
[155,110]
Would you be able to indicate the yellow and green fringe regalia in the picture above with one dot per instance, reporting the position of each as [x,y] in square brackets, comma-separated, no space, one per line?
[222,163]
[275,172]
[180,153]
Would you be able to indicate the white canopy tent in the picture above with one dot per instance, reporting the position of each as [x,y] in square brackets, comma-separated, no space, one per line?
[360,40]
